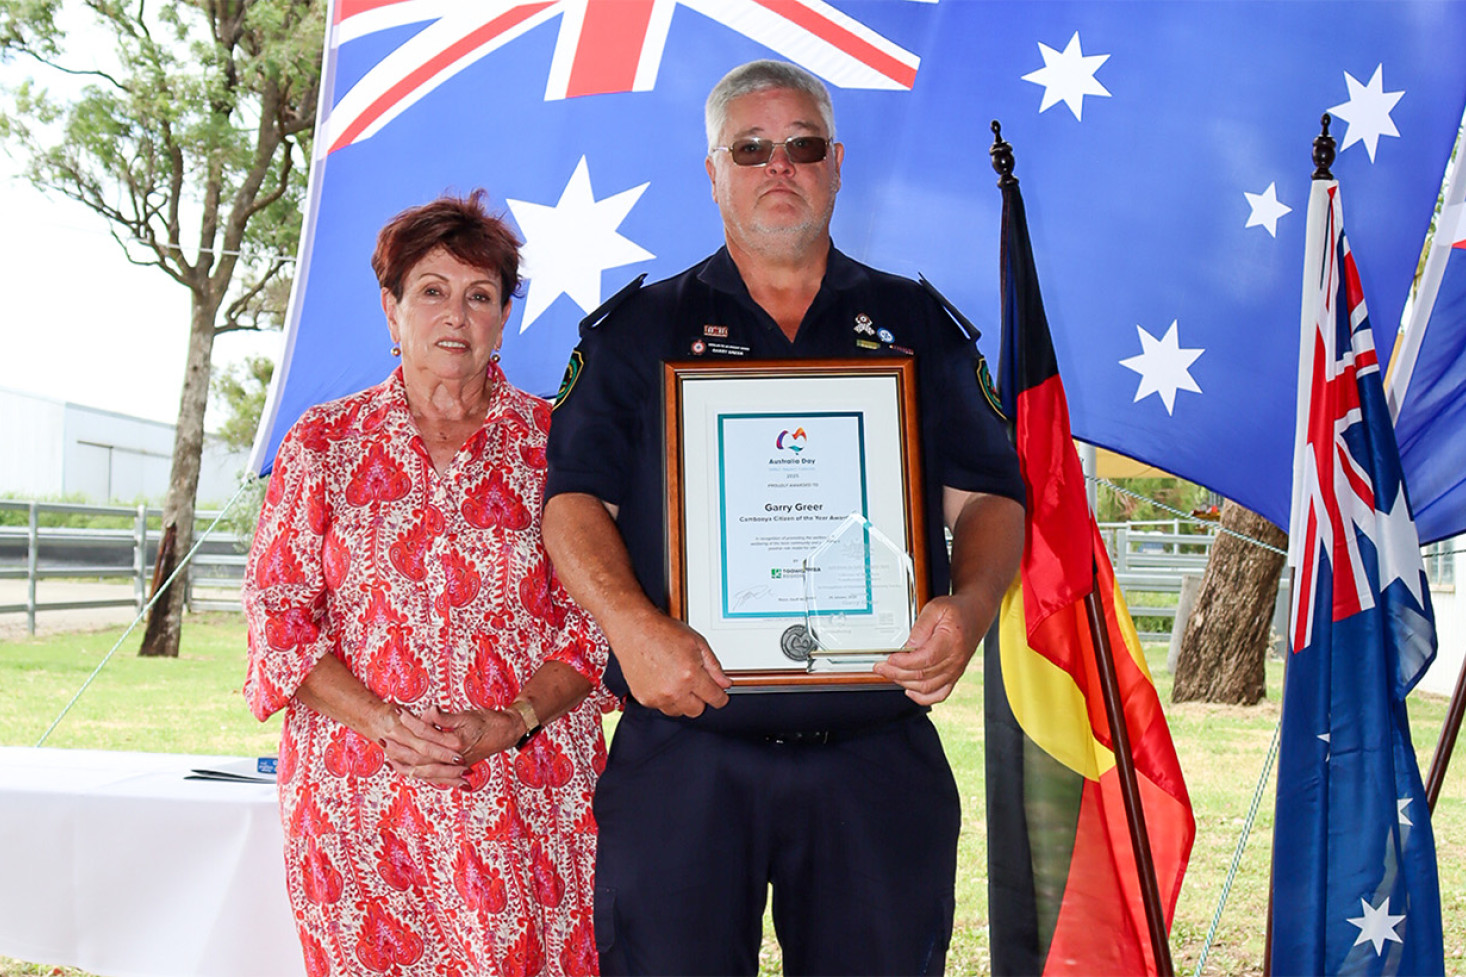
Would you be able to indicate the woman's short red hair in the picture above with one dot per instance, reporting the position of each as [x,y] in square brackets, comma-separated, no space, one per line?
[459,224]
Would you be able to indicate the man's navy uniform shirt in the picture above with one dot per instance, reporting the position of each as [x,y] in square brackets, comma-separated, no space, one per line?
[606,437]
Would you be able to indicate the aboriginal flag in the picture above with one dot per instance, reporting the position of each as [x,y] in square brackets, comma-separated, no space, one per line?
[1063,890]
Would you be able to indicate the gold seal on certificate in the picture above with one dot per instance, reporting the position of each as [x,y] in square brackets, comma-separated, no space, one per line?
[795,515]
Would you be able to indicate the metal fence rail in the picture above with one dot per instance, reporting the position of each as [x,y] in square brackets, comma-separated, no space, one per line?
[1150,560]
[34,552]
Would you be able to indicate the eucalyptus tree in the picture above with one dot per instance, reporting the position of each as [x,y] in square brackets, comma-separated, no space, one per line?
[186,126]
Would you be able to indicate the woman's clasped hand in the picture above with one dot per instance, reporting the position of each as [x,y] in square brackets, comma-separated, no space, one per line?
[439,747]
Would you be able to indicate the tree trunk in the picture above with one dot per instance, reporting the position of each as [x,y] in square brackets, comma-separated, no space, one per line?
[165,621]
[1224,649]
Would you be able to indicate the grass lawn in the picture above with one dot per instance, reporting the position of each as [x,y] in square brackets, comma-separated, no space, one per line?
[193,705]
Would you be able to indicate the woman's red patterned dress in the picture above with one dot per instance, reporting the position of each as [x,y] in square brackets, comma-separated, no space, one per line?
[434,591]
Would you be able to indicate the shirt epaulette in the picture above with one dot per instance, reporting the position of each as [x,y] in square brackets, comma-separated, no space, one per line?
[984,376]
[609,306]
[972,332]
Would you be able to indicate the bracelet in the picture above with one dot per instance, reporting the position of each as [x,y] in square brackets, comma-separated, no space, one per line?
[527,715]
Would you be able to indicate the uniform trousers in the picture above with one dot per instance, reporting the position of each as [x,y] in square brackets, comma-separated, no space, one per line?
[856,832]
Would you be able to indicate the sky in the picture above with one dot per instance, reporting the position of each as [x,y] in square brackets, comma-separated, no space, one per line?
[81,323]
[78,321]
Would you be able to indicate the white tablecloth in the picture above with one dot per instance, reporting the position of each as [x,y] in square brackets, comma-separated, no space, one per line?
[114,863]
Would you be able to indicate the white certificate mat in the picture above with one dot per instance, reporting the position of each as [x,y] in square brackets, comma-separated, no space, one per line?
[785,482]
[768,466]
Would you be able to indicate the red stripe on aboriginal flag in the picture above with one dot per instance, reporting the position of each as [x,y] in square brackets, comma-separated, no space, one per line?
[1057,559]
[1102,893]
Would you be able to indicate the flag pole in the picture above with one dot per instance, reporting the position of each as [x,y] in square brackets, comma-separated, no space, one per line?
[1447,742]
[1129,786]
[1323,158]
[1002,160]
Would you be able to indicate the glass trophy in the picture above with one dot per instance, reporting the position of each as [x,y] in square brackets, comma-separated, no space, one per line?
[859,597]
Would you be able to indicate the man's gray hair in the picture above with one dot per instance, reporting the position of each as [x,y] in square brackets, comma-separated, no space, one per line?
[758,76]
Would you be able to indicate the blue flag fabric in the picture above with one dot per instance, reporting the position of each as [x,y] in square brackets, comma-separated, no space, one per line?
[1354,865]
[1427,375]
[1164,148]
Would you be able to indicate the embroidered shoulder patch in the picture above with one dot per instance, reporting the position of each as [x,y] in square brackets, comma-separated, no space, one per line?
[567,382]
[988,388]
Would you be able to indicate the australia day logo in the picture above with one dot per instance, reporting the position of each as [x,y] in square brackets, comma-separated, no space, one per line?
[794,441]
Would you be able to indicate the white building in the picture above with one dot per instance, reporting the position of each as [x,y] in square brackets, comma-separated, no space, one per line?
[52,448]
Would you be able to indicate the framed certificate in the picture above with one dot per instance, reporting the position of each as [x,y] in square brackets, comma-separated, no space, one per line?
[793,501]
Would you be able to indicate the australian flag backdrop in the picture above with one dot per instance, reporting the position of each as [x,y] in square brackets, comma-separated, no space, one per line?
[1165,148]
[1354,862]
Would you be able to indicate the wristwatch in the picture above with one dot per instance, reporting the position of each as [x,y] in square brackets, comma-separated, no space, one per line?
[532,725]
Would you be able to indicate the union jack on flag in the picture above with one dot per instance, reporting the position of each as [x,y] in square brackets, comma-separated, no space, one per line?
[604,47]
[1354,857]
[1333,489]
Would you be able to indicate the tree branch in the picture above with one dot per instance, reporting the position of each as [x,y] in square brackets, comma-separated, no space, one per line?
[267,144]
[282,184]
[233,316]
[78,72]
[156,262]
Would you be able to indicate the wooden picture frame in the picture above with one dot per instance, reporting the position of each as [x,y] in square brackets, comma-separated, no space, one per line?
[743,501]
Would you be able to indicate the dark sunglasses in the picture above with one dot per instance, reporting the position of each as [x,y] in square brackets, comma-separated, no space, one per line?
[754,151]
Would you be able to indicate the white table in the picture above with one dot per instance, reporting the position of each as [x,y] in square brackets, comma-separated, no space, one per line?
[114,863]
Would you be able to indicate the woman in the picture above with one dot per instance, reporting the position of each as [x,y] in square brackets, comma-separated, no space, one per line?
[403,612]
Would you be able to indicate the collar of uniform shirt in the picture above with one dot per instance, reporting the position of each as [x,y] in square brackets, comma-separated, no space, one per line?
[841,273]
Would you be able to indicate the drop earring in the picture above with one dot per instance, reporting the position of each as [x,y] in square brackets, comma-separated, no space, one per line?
[396,350]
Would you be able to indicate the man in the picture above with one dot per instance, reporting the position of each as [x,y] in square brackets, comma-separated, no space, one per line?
[842,801]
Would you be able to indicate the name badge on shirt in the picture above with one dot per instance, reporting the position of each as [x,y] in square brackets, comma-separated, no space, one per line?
[704,347]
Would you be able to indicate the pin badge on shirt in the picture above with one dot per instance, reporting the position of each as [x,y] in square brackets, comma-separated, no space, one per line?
[863,325]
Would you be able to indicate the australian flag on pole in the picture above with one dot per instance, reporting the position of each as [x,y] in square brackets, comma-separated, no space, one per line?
[1354,863]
